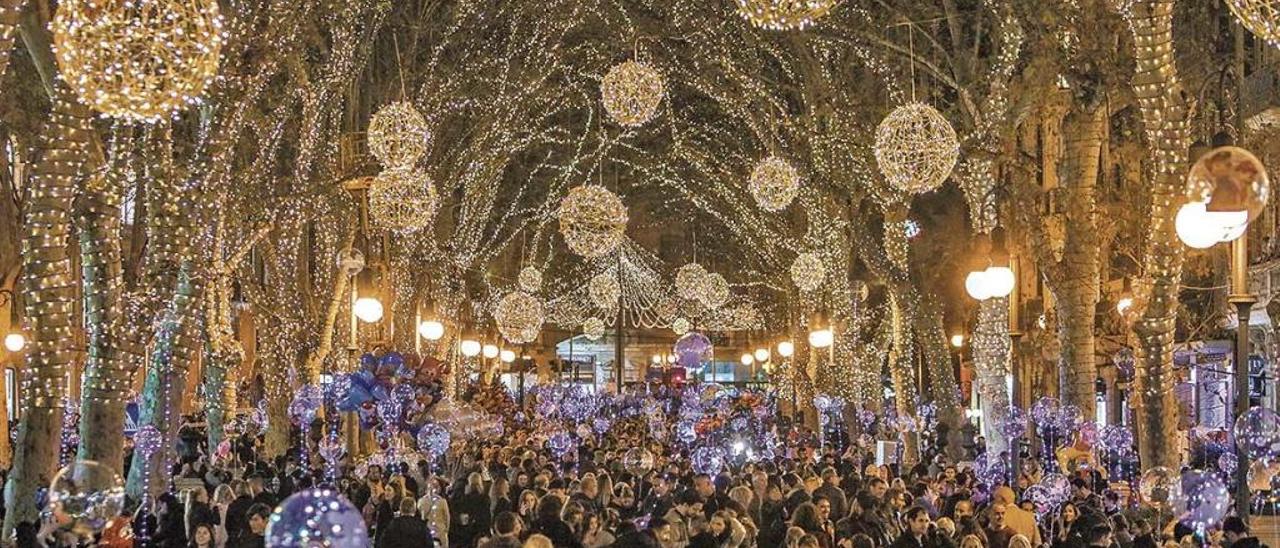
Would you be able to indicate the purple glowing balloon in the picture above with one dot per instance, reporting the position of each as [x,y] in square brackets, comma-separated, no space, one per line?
[692,349]
[1044,411]
[707,460]
[1228,462]
[316,517]
[1015,423]
[560,443]
[433,439]
[1202,500]
[1257,433]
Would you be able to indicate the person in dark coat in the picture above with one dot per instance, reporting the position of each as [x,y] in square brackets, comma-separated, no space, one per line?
[253,535]
[469,512]
[406,530]
[238,510]
[920,533]
[549,524]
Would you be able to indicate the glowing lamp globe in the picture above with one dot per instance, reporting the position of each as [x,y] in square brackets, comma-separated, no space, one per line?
[1000,281]
[762,354]
[656,360]
[431,330]
[1195,228]
[1229,180]
[368,309]
[786,349]
[15,342]
[490,351]
[821,338]
[507,356]
[976,285]
[748,359]
[957,340]
[469,348]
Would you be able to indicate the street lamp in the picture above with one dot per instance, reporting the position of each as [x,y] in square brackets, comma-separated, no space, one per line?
[957,340]
[747,358]
[991,277]
[431,330]
[1226,190]
[490,351]
[507,356]
[469,348]
[821,338]
[368,309]
[762,355]
[786,349]
[15,342]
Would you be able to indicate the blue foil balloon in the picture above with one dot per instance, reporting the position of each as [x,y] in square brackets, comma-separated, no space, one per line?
[394,360]
[368,362]
[316,517]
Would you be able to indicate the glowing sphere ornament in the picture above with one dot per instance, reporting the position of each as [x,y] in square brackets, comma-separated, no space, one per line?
[398,135]
[433,439]
[530,279]
[519,316]
[1158,487]
[402,199]
[1233,187]
[604,290]
[141,60]
[774,184]
[784,14]
[631,92]
[86,495]
[593,328]
[316,517]
[148,440]
[1202,499]
[689,281]
[715,291]
[808,272]
[1257,433]
[692,349]
[916,148]
[680,326]
[350,261]
[592,220]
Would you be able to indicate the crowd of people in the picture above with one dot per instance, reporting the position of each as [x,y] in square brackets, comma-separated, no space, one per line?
[515,492]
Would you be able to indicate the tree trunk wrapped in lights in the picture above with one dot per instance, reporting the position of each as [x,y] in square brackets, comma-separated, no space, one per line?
[49,293]
[991,347]
[10,11]
[1164,113]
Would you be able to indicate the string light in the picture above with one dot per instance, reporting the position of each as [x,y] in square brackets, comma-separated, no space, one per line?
[605,290]
[784,14]
[141,60]
[1261,17]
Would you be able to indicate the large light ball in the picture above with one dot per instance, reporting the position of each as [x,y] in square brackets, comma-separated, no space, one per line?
[398,135]
[1000,281]
[519,316]
[317,517]
[530,279]
[604,290]
[1230,180]
[821,338]
[1261,17]
[808,272]
[976,285]
[402,199]
[15,342]
[762,354]
[1195,228]
[139,60]
[747,358]
[86,495]
[470,348]
[715,290]
[916,148]
[368,309]
[692,349]
[431,330]
[593,328]
[680,326]
[1257,433]
[592,220]
[490,351]
[631,92]
[784,14]
[786,349]
[774,183]
[689,281]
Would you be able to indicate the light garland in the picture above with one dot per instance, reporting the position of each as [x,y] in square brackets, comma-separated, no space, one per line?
[139,60]
[519,316]
[529,279]
[592,220]
[916,148]
[1261,17]
[402,199]
[808,272]
[631,92]
[593,328]
[398,135]
[784,14]
[604,290]
[774,183]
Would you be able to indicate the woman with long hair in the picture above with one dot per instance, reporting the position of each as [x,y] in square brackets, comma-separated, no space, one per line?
[1062,533]
[434,509]
[470,508]
[500,497]
[202,536]
[223,495]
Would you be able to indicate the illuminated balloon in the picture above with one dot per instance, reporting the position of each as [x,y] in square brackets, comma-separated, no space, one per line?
[316,517]
[707,460]
[637,461]
[1227,462]
[85,496]
[1202,500]
[1158,487]
[1257,433]
[433,439]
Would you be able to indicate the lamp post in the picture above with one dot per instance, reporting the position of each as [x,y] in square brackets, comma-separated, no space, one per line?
[1226,189]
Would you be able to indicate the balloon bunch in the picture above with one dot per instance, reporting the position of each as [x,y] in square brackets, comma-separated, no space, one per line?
[392,391]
